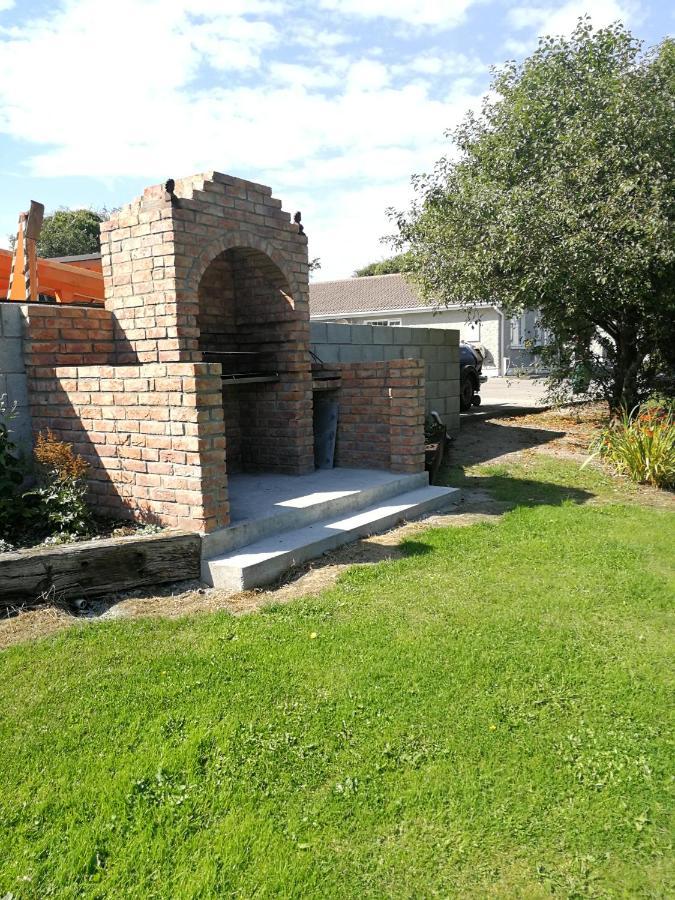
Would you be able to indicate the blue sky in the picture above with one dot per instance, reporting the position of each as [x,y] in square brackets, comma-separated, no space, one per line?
[334,103]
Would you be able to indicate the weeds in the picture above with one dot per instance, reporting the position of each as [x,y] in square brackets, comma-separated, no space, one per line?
[56,507]
[60,496]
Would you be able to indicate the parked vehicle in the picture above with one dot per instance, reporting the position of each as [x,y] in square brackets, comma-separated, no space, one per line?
[470,376]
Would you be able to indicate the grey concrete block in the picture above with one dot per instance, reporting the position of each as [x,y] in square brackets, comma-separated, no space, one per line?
[435,354]
[362,334]
[17,391]
[403,335]
[11,355]
[12,319]
[318,332]
[338,334]
[382,334]
[393,352]
[350,352]
[374,353]
[327,353]
[436,371]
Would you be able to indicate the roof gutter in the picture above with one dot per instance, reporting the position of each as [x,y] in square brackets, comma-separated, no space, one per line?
[401,309]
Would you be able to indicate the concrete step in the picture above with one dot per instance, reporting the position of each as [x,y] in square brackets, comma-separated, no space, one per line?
[264,560]
[266,504]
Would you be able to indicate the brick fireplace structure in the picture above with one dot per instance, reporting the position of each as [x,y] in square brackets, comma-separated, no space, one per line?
[199,365]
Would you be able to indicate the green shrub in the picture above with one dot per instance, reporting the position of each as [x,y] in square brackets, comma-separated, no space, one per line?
[641,444]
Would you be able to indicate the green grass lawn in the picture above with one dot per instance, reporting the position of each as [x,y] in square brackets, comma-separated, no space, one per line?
[486,717]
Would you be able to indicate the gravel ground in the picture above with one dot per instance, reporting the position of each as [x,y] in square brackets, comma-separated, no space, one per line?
[501,394]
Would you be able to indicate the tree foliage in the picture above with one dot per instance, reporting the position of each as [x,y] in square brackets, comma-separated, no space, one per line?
[71,232]
[561,199]
[395,264]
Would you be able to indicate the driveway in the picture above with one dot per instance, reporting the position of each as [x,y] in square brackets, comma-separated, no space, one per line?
[501,395]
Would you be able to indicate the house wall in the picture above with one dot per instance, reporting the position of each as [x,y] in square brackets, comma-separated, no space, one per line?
[437,348]
[483,328]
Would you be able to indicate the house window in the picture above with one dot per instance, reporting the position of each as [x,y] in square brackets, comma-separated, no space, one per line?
[526,331]
[516,332]
[386,322]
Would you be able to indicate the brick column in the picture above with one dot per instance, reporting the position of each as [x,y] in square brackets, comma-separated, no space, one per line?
[381,418]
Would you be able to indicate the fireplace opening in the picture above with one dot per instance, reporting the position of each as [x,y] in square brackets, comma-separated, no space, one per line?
[248,323]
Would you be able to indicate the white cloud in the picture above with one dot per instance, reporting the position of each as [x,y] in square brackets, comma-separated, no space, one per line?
[159,88]
[415,12]
[443,63]
[562,18]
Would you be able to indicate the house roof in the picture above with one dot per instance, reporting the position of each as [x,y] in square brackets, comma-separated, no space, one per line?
[372,293]
[80,257]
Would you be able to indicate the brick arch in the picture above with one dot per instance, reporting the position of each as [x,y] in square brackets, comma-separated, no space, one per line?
[238,239]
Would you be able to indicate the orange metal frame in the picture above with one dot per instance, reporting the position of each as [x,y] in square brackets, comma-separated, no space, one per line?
[66,282]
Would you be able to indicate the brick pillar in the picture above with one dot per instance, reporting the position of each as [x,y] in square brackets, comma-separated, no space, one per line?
[405,380]
[381,417]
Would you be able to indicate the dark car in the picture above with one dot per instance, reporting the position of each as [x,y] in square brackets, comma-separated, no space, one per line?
[470,377]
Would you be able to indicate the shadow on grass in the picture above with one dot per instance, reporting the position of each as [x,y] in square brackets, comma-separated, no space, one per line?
[481,441]
[509,492]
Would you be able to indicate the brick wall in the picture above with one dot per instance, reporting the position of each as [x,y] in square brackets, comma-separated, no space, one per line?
[245,309]
[381,419]
[153,436]
[219,266]
[58,335]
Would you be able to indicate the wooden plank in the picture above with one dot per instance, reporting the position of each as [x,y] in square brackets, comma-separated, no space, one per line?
[67,283]
[95,568]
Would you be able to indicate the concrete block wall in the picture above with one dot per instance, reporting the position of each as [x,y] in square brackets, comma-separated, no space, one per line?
[13,378]
[438,348]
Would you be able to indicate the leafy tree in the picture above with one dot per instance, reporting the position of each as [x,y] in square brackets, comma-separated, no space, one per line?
[70,232]
[394,265]
[561,199]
